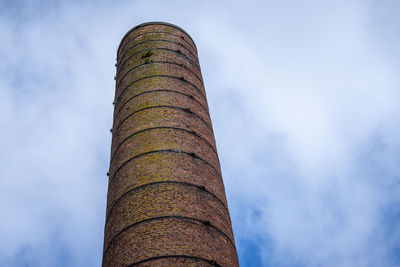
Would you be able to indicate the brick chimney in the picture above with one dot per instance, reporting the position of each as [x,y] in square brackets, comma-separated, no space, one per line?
[166,203]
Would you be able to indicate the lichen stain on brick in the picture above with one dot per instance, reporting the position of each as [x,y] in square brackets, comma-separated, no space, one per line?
[166,203]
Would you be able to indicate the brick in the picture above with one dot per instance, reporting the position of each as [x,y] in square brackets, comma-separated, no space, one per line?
[166,203]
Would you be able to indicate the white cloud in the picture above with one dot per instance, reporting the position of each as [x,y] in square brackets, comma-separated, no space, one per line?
[317,90]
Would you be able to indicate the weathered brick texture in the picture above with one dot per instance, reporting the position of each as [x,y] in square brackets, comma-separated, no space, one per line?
[166,202]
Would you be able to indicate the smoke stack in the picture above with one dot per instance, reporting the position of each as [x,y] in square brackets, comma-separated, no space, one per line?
[166,203]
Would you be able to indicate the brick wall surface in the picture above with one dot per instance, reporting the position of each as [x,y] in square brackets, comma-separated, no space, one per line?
[166,203]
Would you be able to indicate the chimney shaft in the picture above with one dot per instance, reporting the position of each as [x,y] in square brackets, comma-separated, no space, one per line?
[166,203]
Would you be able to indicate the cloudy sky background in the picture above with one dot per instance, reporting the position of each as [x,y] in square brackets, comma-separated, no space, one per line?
[304,98]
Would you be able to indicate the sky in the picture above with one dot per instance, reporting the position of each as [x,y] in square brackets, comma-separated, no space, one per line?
[304,99]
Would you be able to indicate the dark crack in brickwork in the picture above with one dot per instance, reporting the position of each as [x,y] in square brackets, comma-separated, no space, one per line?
[166,203]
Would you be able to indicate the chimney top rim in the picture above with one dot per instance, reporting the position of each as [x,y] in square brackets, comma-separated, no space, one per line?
[154,23]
